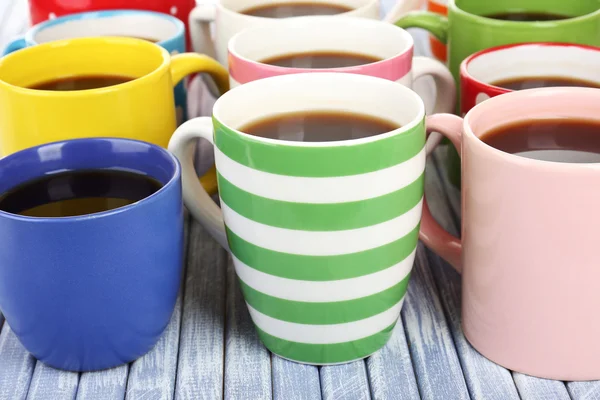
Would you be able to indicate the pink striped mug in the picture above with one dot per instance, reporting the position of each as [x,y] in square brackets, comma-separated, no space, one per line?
[529,250]
[392,46]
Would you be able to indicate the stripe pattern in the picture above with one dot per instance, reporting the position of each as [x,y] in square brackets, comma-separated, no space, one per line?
[323,247]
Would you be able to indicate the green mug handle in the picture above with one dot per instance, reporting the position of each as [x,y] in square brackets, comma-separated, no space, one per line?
[434,23]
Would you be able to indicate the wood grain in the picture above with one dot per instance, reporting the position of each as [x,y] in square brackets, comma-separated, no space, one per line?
[345,382]
[584,390]
[103,385]
[247,361]
[16,366]
[201,348]
[50,383]
[293,381]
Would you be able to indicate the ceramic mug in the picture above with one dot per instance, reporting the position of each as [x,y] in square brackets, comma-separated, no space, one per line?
[323,235]
[94,291]
[229,20]
[43,10]
[528,253]
[165,30]
[142,108]
[438,49]
[391,45]
[479,72]
[467,30]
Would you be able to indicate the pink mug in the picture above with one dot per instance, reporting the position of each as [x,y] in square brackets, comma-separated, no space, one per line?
[529,251]
[392,46]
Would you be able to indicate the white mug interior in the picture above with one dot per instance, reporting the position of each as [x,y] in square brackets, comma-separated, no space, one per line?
[242,5]
[348,93]
[322,33]
[132,24]
[536,60]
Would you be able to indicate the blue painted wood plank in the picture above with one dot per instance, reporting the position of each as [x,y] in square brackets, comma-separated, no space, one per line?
[50,383]
[484,378]
[390,370]
[531,388]
[247,361]
[103,385]
[16,366]
[345,382]
[584,390]
[293,381]
[201,360]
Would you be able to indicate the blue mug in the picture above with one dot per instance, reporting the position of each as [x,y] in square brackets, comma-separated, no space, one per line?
[94,291]
[163,29]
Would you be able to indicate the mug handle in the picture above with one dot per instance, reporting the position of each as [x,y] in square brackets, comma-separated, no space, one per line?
[196,198]
[434,23]
[188,63]
[445,86]
[17,44]
[199,22]
[448,246]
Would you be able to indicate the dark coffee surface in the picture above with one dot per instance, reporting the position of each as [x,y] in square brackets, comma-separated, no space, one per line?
[285,10]
[527,16]
[542,81]
[318,126]
[328,59]
[78,193]
[550,139]
[82,82]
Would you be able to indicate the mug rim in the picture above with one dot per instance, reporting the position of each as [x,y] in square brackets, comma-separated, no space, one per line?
[518,24]
[325,76]
[221,7]
[316,19]
[34,30]
[152,75]
[520,96]
[76,218]
[497,90]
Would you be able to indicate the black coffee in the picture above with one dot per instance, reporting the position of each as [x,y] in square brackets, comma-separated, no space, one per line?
[82,82]
[285,10]
[560,139]
[325,59]
[523,83]
[525,16]
[72,193]
[319,126]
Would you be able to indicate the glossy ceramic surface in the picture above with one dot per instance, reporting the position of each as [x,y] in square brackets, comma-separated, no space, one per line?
[438,49]
[43,10]
[323,235]
[479,71]
[168,30]
[528,251]
[394,46]
[95,291]
[140,109]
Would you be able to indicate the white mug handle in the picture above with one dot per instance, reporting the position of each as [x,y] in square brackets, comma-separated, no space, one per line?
[199,21]
[445,86]
[402,7]
[198,202]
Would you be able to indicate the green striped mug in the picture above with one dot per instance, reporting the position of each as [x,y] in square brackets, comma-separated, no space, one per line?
[323,235]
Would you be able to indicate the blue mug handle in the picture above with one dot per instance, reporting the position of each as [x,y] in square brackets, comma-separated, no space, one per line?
[17,44]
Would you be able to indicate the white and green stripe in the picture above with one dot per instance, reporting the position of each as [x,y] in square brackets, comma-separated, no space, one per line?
[323,238]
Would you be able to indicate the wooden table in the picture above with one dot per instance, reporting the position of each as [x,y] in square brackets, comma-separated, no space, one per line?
[210,349]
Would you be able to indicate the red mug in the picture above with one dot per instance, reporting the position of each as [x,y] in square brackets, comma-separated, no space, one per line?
[42,10]
[503,69]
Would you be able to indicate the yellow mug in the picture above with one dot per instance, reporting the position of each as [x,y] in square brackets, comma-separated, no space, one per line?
[141,108]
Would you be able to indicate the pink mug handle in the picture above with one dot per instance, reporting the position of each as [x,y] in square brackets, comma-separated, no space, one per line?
[447,246]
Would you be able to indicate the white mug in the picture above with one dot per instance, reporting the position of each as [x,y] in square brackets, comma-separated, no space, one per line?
[226,15]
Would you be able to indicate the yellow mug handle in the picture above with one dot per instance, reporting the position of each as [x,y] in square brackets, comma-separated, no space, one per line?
[191,63]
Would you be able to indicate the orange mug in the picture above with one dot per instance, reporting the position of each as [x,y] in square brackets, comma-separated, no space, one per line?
[438,48]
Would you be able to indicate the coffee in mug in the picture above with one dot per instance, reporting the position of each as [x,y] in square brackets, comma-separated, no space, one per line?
[81,82]
[522,83]
[320,59]
[319,126]
[299,9]
[525,16]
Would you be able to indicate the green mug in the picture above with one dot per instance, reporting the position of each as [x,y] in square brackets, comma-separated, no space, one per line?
[467,30]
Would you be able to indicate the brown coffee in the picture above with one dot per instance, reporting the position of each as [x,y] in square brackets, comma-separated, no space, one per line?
[66,194]
[525,16]
[534,82]
[285,10]
[321,59]
[553,139]
[318,126]
[81,82]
